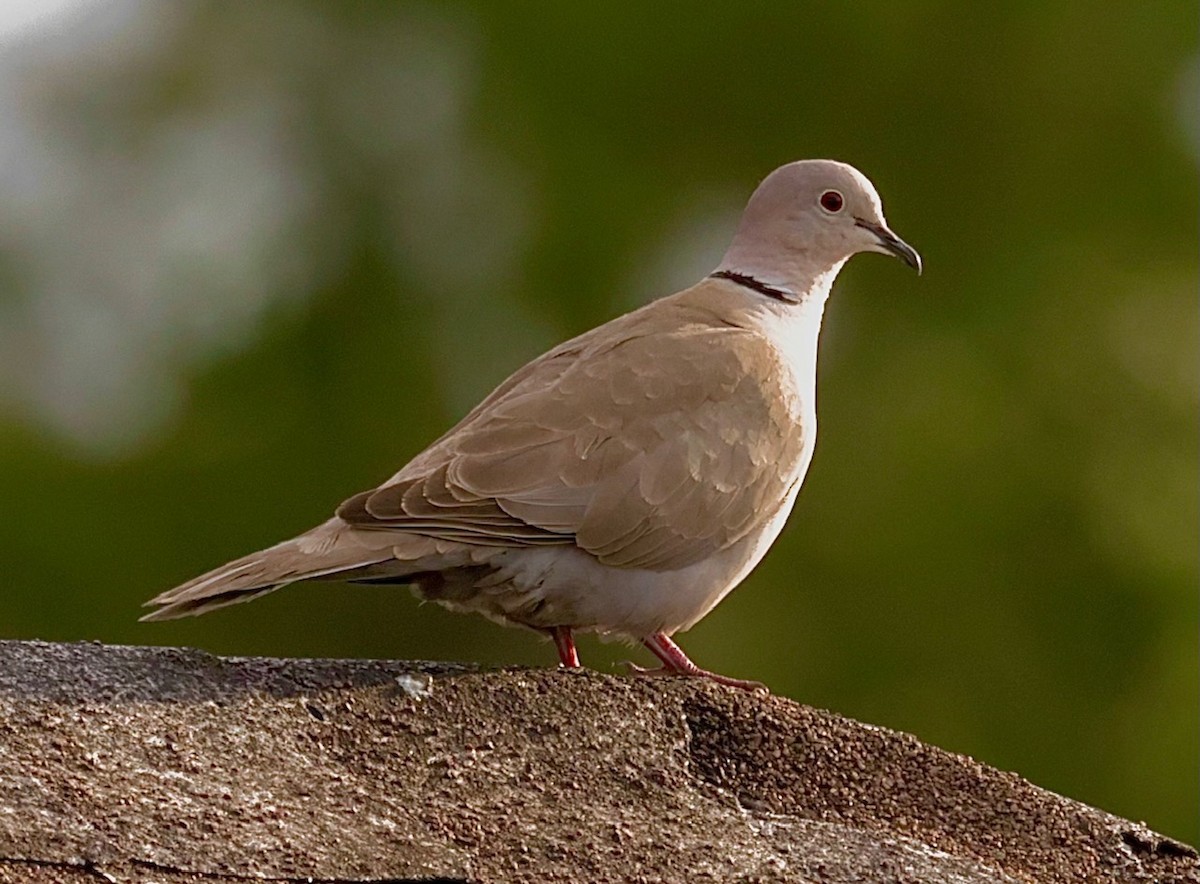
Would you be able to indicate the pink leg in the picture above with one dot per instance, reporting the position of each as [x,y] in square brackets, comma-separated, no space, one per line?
[565,643]
[676,662]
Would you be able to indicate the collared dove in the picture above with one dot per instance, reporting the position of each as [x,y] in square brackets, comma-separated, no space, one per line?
[628,479]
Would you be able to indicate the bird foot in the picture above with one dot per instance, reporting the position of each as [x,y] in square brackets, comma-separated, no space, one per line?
[664,672]
[679,665]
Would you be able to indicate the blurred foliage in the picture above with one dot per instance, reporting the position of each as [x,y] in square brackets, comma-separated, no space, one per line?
[254,256]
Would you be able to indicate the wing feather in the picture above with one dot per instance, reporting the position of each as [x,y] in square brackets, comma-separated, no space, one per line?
[651,446]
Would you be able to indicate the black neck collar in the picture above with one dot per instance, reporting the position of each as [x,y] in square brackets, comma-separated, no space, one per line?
[757,285]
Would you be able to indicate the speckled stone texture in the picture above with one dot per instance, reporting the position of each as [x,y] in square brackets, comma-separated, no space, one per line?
[144,765]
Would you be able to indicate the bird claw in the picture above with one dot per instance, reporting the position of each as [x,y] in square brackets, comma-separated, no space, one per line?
[745,684]
[632,668]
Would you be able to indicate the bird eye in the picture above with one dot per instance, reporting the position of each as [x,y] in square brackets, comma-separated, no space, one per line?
[832,201]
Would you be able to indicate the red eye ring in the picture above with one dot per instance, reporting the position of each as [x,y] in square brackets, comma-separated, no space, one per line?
[832,201]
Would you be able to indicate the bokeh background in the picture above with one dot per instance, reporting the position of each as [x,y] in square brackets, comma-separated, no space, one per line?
[253,256]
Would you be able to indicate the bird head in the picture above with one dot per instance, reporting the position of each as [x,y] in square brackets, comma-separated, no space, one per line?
[806,219]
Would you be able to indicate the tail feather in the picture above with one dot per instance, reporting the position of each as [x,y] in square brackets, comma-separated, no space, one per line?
[326,550]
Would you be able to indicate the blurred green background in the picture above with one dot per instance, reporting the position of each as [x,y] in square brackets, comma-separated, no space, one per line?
[253,256]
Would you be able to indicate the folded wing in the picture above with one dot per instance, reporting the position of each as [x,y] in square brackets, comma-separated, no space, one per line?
[652,451]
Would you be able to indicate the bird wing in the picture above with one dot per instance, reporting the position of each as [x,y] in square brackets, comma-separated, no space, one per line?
[651,446]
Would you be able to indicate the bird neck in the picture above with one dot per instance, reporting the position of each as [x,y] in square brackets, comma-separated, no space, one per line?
[787,296]
[798,286]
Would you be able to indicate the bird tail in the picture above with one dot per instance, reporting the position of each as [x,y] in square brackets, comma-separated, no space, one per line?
[328,549]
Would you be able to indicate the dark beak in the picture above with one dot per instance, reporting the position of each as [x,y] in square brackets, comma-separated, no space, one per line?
[892,244]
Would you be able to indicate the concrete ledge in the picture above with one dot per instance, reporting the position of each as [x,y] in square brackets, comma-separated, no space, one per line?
[145,765]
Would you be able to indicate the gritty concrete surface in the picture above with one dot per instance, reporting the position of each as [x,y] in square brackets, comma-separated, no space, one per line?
[140,765]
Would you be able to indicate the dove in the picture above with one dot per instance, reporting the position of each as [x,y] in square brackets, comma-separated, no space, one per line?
[626,481]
